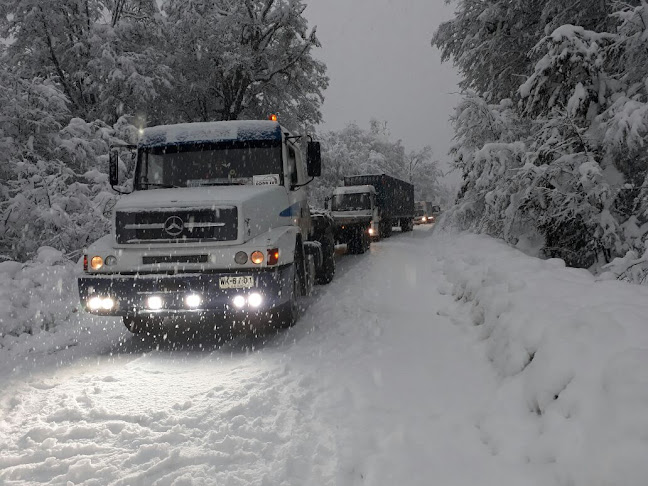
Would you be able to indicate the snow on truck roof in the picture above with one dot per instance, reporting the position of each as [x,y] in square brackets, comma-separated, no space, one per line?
[221,131]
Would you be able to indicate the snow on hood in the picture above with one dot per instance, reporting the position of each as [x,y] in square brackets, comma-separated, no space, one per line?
[222,131]
[193,196]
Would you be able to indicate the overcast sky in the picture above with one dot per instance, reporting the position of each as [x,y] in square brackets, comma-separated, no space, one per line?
[382,65]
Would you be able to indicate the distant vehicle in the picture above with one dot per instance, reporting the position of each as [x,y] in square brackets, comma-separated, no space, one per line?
[218,225]
[426,212]
[392,202]
[353,208]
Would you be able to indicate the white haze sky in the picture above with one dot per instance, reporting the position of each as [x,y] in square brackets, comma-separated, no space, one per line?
[381,65]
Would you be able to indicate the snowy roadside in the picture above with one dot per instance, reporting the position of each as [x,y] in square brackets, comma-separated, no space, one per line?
[40,319]
[572,349]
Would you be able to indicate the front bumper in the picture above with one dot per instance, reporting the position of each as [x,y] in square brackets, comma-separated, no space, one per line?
[130,293]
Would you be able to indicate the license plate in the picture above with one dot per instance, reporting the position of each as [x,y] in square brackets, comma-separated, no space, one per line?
[246,282]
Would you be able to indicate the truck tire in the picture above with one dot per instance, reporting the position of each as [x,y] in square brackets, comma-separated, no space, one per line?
[366,238]
[139,324]
[406,225]
[358,242]
[326,271]
[290,313]
[386,229]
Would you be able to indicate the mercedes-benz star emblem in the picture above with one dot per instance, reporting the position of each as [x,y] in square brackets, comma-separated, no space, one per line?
[174,225]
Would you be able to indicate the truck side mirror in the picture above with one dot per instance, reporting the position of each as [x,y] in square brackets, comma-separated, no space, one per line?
[113,168]
[314,159]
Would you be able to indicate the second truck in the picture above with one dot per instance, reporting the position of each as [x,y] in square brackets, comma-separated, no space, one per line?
[368,206]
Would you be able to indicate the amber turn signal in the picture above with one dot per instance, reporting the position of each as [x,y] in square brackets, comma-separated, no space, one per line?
[96,263]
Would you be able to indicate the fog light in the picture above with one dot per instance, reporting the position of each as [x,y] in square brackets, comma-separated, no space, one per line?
[94,303]
[107,303]
[238,301]
[193,300]
[154,302]
[255,299]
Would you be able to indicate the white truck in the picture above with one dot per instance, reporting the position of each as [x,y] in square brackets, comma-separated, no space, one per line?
[217,229]
[353,208]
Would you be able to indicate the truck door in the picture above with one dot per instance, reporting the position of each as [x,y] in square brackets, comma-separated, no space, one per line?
[296,177]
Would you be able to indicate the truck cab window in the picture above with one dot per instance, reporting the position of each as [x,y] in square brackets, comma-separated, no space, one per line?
[204,164]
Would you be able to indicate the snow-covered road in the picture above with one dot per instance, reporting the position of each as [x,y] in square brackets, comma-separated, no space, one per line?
[384,381]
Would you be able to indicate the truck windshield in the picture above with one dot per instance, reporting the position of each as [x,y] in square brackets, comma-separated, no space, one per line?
[351,202]
[206,164]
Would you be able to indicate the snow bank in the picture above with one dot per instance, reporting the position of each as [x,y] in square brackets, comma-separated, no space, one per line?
[39,308]
[575,348]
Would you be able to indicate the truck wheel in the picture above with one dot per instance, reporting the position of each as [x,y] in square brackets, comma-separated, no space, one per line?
[386,229]
[326,271]
[406,225]
[290,313]
[366,238]
[357,244]
[138,324]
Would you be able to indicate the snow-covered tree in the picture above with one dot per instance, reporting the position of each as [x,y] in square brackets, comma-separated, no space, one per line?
[104,55]
[551,139]
[244,59]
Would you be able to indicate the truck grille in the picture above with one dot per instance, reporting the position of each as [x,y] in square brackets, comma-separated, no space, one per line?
[177,225]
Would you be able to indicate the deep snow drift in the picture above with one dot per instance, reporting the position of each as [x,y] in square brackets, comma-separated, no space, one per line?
[435,359]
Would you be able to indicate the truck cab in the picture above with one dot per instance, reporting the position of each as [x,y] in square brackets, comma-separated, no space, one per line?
[356,216]
[353,202]
[217,225]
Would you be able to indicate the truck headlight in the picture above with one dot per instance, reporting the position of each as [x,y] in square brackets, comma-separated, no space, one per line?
[238,301]
[107,303]
[193,300]
[94,303]
[255,299]
[155,302]
[110,260]
[257,257]
[241,257]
